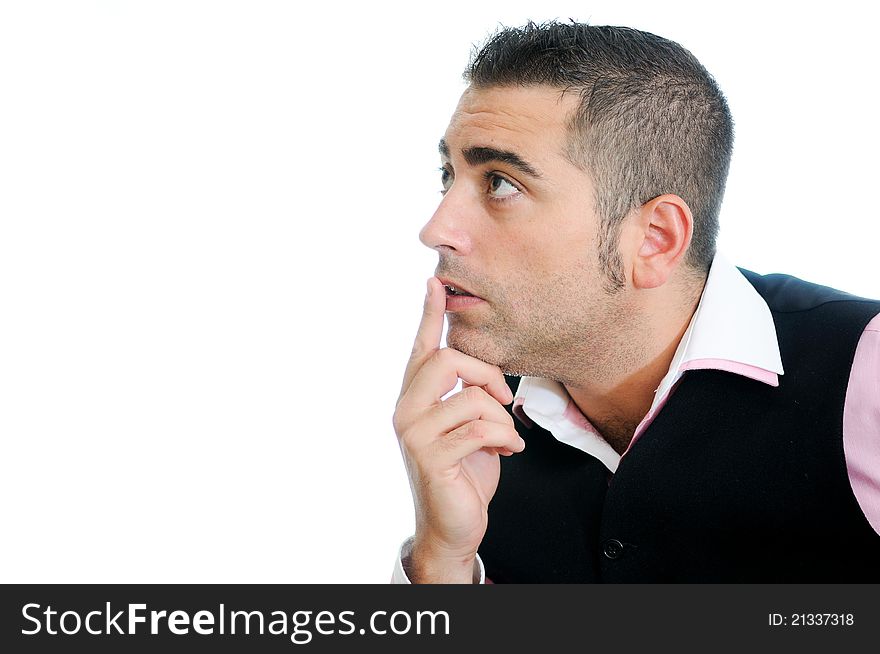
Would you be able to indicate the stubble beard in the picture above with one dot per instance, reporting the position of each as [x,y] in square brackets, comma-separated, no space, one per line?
[588,338]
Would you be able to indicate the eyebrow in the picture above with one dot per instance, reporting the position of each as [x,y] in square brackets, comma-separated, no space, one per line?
[479,155]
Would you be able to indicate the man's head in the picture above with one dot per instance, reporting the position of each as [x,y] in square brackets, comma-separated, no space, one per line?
[583,171]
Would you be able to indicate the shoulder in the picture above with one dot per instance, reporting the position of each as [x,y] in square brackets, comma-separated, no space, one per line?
[789,294]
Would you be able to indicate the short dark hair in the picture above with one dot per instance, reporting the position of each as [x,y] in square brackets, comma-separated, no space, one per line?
[651,120]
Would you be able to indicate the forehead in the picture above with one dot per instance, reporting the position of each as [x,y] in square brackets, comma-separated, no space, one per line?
[532,120]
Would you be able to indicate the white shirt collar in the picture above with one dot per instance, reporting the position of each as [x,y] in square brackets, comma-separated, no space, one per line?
[732,329]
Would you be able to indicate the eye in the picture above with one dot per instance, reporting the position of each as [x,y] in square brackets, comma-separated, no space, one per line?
[445,178]
[500,188]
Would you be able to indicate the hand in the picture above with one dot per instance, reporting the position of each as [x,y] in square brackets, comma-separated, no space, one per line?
[450,447]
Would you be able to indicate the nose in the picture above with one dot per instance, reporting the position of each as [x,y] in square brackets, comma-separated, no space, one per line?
[448,229]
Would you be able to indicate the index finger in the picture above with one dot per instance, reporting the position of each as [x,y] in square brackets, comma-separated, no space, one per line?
[429,333]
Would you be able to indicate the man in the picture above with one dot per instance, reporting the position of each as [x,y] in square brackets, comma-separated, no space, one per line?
[673,418]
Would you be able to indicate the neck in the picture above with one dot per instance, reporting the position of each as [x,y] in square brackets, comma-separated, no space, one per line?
[616,403]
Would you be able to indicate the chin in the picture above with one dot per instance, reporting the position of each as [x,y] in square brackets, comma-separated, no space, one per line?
[481,346]
[475,344]
[512,360]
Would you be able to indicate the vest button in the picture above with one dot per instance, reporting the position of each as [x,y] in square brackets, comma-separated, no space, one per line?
[612,548]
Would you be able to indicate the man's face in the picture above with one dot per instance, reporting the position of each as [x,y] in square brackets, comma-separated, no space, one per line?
[517,228]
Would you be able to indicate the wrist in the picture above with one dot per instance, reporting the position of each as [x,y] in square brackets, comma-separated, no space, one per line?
[428,565]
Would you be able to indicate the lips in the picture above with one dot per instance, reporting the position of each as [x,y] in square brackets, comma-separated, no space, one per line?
[455,289]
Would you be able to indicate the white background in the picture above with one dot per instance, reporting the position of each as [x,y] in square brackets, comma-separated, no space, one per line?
[210,275]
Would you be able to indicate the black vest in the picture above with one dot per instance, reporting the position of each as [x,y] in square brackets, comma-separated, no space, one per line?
[734,481]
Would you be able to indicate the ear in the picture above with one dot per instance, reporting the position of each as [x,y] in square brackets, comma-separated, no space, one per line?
[664,227]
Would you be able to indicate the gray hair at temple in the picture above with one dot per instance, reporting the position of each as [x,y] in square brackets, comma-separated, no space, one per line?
[651,120]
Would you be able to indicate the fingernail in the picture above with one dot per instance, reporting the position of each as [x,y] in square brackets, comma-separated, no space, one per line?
[430,288]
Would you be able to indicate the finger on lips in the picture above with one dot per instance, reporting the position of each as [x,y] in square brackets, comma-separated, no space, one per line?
[433,371]
[429,333]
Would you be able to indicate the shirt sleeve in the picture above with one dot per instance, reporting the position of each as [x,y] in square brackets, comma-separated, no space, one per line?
[861,424]
[403,555]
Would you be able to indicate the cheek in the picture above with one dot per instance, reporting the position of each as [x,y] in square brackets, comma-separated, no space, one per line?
[559,267]
[543,268]
[550,241]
